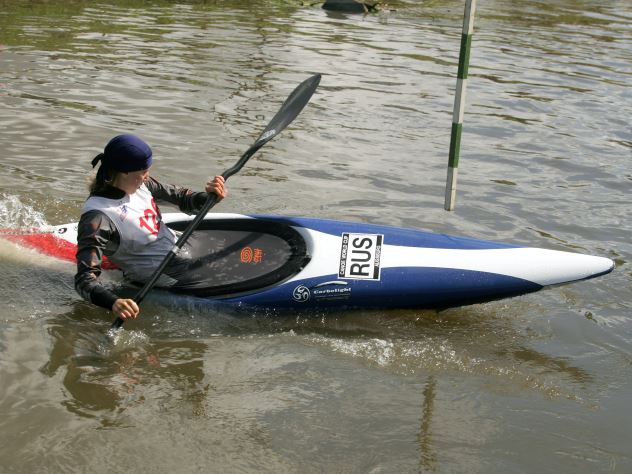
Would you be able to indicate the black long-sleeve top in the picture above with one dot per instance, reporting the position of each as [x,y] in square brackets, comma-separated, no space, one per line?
[97,236]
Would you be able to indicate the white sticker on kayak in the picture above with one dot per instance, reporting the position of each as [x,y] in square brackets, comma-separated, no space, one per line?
[360,256]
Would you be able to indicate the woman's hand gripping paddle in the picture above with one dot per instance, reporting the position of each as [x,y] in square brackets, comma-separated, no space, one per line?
[290,109]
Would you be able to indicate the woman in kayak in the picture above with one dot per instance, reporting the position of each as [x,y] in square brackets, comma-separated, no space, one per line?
[120,220]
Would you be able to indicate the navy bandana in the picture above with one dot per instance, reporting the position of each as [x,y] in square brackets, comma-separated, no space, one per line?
[123,153]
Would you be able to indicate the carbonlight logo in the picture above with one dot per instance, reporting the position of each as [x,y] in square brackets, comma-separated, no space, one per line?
[326,291]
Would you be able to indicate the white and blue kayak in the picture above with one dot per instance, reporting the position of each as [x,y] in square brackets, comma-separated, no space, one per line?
[294,262]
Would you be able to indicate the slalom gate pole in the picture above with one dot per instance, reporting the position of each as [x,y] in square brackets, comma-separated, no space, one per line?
[459,105]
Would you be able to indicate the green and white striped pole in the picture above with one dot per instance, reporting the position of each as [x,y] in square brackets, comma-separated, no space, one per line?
[459,104]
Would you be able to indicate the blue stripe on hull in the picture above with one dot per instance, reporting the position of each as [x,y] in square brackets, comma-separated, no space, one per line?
[399,287]
[393,235]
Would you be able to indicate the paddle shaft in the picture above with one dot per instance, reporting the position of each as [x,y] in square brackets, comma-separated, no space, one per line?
[290,109]
[211,200]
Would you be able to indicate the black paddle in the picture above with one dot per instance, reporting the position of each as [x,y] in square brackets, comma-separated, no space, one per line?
[290,109]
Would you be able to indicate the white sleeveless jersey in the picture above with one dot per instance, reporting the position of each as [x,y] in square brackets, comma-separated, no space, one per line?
[144,238]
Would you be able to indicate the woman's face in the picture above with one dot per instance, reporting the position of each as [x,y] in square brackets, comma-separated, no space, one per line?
[131,181]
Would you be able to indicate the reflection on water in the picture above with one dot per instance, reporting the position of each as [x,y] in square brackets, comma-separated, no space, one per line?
[466,342]
[428,461]
[103,378]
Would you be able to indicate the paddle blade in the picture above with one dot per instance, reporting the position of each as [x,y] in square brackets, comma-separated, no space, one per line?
[290,109]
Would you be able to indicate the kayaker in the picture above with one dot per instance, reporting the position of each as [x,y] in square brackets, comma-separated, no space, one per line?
[120,219]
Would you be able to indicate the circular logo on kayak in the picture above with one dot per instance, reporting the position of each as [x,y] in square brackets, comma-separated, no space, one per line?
[301,293]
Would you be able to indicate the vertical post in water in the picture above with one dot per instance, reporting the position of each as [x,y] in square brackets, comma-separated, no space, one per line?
[459,104]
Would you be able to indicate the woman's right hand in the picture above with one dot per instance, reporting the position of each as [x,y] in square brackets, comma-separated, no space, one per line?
[125,308]
[217,185]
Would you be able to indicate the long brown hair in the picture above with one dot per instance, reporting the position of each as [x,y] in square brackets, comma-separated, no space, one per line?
[95,187]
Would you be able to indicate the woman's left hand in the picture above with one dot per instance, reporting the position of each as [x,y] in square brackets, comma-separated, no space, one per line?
[217,185]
